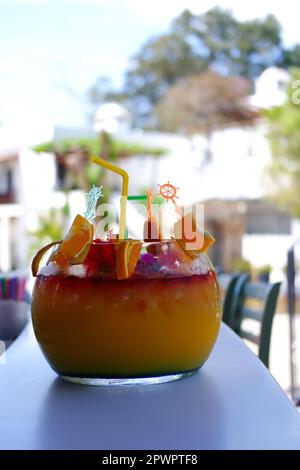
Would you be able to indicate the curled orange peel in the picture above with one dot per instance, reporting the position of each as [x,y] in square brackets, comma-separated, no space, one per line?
[38,257]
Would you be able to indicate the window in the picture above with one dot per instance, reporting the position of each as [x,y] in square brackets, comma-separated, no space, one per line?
[5,181]
[267,220]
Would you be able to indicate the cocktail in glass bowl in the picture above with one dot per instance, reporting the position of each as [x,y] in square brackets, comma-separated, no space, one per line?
[158,325]
[123,311]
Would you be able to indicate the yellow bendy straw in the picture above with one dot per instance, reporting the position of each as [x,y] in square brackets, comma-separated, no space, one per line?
[125,178]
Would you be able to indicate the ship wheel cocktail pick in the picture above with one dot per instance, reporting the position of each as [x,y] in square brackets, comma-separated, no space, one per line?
[169,193]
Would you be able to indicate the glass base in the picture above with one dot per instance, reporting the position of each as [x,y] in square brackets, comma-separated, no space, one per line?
[105,382]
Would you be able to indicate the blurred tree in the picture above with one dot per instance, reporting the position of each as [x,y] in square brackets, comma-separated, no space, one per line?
[195,42]
[284,136]
[155,68]
[291,57]
[202,102]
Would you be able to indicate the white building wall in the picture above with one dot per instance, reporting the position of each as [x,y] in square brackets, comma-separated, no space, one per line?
[239,156]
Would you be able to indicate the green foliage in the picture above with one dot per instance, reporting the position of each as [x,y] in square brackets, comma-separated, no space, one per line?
[93,174]
[241,265]
[117,149]
[51,227]
[266,269]
[291,57]
[284,136]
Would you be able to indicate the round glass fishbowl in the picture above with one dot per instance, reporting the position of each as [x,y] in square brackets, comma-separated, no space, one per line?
[158,325]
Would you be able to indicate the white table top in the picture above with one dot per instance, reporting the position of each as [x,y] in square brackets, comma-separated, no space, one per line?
[231,403]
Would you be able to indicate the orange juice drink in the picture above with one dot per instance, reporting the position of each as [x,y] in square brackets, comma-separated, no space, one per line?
[160,323]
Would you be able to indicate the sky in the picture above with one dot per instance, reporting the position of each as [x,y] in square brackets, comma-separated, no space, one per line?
[53,50]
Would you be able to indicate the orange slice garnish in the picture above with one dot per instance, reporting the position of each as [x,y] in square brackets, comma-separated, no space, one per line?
[38,257]
[76,243]
[128,253]
[193,254]
[186,233]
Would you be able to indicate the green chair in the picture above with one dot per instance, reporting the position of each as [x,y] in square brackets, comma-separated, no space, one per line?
[227,282]
[256,301]
[243,278]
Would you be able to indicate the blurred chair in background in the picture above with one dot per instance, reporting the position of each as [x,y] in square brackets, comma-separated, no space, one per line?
[227,283]
[256,301]
[14,306]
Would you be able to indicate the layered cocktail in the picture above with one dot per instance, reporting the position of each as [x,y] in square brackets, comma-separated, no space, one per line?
[163,321]
[122,311]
